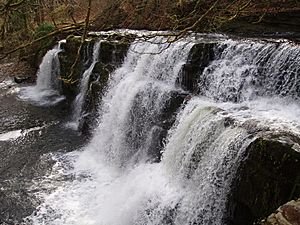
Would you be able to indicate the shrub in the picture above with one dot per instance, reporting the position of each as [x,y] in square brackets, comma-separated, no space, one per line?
[43,29]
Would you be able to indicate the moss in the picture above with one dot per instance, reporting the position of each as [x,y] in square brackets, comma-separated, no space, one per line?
[67,58]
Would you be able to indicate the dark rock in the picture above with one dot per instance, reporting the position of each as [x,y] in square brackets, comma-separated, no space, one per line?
[20,80]
[111,56]
[166,120]
[199,57]
[67,57]
[113,52]
[268,177]
[150,135]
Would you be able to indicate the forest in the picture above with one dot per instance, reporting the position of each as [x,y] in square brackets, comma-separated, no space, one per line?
[22,22]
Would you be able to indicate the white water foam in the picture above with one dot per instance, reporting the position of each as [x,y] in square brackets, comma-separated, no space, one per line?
[15,134]
[247,69]
[47,88]
[145,81]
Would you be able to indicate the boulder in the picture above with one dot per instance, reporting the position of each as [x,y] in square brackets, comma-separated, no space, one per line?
[267,178]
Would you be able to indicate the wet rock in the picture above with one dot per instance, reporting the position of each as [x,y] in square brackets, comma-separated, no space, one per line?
[164,123]
[199,57]
[67,57]
[268,177]
[151,135]
[20,80]
[113,52]
[111,56]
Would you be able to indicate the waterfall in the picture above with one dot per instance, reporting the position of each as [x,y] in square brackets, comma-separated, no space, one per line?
[83,88]
[140,168]
[48,86]
[245,70]
[203,154]
[138,93]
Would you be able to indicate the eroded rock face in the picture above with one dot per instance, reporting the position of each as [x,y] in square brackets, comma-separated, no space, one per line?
[288,214]
[268,177]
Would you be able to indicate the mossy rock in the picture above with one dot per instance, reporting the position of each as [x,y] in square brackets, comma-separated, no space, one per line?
[111,56]
[67,58]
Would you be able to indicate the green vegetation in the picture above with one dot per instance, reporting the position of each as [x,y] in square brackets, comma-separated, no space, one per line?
[43,29]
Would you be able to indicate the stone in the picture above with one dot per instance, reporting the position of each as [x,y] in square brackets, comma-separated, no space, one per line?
[267,178]
[288,214]
[199,57]
[111,56]
[20,80]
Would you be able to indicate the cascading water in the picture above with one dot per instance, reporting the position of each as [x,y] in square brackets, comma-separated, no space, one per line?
[137,95]
[48,86]
[245,70]
[116,181]
[83,88]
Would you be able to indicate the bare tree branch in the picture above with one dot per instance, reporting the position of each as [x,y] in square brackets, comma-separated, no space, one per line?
[83,37]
